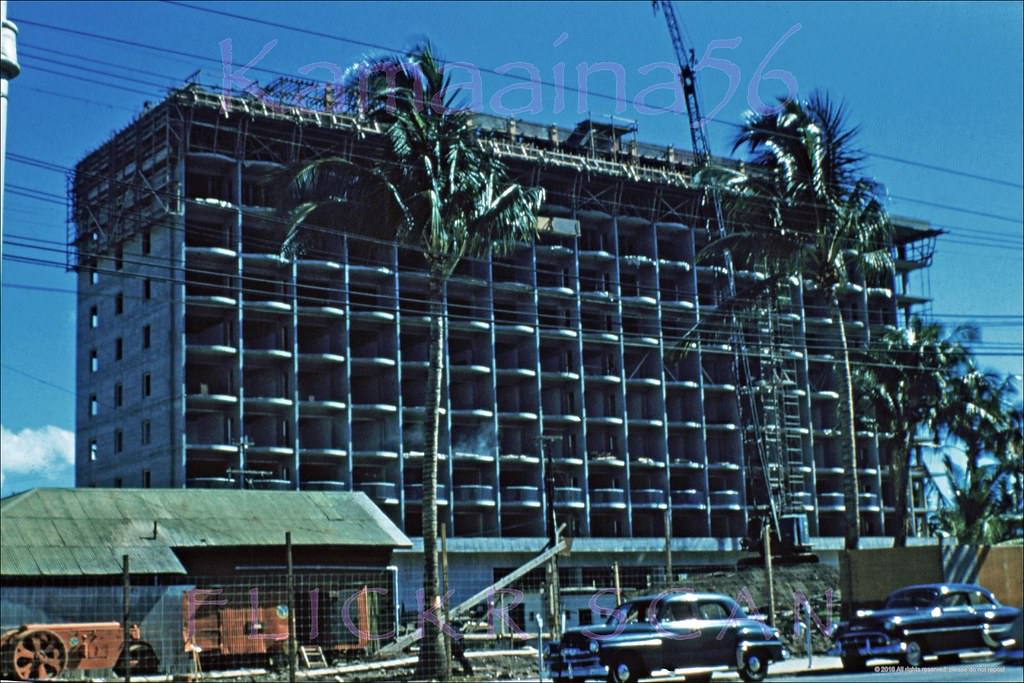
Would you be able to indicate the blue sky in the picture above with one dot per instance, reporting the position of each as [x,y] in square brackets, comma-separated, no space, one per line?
[938,84]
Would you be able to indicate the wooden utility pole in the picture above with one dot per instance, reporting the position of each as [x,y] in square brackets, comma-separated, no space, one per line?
[668,549]
[766,530]
[618,584]
[125,617]
[291,608]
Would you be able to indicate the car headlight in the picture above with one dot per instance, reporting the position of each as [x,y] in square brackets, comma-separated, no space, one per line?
[593,646]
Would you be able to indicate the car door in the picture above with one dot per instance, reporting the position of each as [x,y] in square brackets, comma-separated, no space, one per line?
[989,616]
[718,633]
[956,625]
[680,630]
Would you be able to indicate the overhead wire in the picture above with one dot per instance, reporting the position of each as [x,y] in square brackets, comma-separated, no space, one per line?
[509,75]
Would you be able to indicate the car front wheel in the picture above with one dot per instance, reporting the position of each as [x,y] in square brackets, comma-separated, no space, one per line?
[914,655]
[755,666]
[625,669]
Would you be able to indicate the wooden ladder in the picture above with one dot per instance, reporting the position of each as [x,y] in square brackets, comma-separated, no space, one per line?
[313,657]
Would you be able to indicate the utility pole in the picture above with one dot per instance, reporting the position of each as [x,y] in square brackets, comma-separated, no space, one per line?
[668,549]
[243,445]
[766,530]
[9,70]
[554,593]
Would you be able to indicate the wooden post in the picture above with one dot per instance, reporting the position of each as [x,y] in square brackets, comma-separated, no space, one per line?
[291,608]
[125,616]
[618,585]
[767,531]
[444,590]
[668,549]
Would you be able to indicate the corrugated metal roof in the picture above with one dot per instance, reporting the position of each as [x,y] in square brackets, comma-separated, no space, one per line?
[86,531]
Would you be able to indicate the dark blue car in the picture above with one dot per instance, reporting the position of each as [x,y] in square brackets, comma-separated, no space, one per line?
[946,620]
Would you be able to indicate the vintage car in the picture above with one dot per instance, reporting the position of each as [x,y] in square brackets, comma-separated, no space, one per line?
[933,619]
[674,630]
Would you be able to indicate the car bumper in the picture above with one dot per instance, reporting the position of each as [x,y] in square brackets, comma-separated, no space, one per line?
[588,667]
[867,650]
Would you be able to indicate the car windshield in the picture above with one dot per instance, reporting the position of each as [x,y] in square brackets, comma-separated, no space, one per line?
[629,613]
[917,598]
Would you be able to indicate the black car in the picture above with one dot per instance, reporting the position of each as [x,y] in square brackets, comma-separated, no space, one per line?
[933,619]
[674,630]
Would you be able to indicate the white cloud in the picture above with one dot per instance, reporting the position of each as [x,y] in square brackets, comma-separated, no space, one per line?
[47,451]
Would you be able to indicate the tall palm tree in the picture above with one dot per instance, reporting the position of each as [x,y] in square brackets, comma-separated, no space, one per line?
[801,207]
[434,188]
[904,384]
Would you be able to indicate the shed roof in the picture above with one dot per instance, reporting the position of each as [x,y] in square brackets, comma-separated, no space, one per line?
[87,531]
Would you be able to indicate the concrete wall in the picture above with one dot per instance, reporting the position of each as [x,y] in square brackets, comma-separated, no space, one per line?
[868,576]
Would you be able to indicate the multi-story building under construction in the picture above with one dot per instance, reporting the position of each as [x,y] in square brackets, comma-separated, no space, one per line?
[596,357]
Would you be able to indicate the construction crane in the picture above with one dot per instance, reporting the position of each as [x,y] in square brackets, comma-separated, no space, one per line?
[772,442]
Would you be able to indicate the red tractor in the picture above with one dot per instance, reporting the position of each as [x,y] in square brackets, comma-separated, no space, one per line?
[44,651]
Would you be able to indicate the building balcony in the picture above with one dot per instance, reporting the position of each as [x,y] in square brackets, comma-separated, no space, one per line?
[211,483]
[210,301]
[590,255]
[561,419]
[266,306]
[263,404]
[516,373]
[684,425]
[517,416]
[471,414]
[370,365]
[322,311]
[570,497]
[324,485]
[322,454]
[216,257]
[378,317]
[363,273]
[597,378]
[829,470]
[273,484]
[608,499]
[869,502]
[414,494]
[555,291]
[643,382]
[831,502]
[681,385]
[266,355]
[320,266]
[559,461]
[210,208]
[725,500]
[208,401]
[597,296]
[520,497]
[800,500]
[375,456]
[557,333]
[380,492]
[648,499]
[314,406]
[720,466]
[561,376]
[640,300]
[472,458]
[316,359]
[518,459]
[210,351]
[683,463]
[372,410]
[605,420]
[203,449]
[644,462]
[459,325]
[642,339]
[270,451]
[600,337]
[472,370]
[514,329]
[605,460]
[645,423]
[474,495]
[688,499]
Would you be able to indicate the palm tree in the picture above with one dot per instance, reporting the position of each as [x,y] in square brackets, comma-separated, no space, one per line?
[801,207]
[436,189]
[981,510]
[980,416]
[904,384]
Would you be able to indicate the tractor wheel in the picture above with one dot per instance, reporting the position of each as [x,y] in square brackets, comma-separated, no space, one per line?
[37,655]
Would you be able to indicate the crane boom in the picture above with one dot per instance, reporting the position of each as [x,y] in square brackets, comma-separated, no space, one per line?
[702,152]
